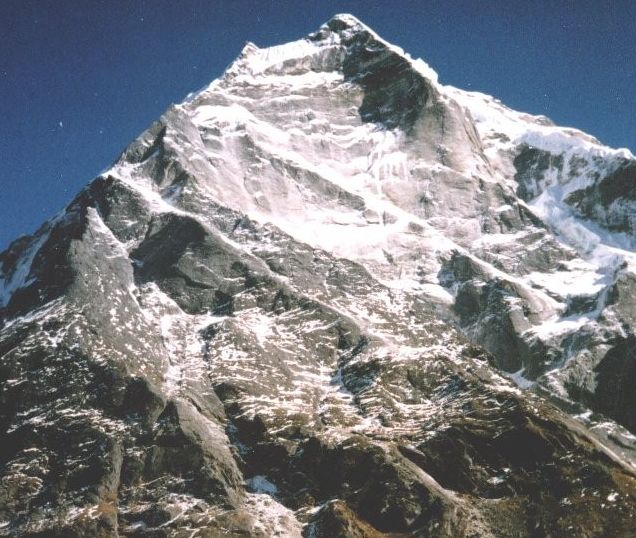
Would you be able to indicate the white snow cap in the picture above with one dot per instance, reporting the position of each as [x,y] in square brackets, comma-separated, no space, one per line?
[355,25]
[254,60]
[350,20]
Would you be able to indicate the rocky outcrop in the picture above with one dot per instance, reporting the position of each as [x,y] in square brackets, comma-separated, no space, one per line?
[611,200]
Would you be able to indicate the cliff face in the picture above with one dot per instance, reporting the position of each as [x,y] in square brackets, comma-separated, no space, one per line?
[327,297]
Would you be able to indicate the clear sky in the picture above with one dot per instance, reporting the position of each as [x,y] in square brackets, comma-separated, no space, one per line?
[79,79]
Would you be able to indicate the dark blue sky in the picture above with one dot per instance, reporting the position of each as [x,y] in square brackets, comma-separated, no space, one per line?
[80,79]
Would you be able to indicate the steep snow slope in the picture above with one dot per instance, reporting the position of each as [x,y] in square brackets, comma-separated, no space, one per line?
[291,306]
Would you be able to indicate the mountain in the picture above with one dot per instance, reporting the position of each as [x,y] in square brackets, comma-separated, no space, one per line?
[328,296]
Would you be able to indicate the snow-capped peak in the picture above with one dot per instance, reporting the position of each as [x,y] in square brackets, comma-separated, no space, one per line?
[348,26]
[322,51]
[272,283]
[351,21]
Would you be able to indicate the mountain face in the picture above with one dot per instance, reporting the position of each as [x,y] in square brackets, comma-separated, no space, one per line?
[328,296]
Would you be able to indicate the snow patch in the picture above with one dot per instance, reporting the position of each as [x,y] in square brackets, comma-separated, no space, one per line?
[260,484]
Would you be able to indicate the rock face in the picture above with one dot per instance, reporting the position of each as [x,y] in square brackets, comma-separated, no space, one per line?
[328,296]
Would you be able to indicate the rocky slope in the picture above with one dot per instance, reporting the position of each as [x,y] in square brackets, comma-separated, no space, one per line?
[328,296]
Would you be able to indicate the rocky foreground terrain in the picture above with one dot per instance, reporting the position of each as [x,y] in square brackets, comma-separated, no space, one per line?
[328,296]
